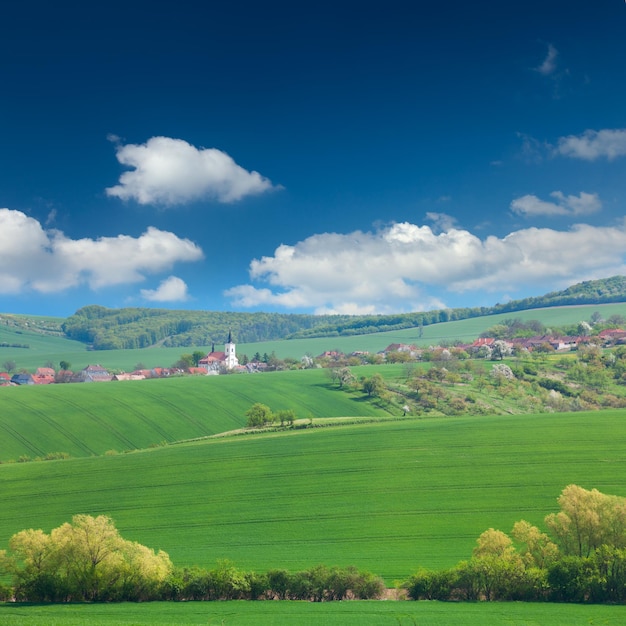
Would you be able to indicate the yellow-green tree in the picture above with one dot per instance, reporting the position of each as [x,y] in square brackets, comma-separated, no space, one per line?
[587,520]
[84,560]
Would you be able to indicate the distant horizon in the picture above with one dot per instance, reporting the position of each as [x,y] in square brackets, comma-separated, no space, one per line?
[331,314]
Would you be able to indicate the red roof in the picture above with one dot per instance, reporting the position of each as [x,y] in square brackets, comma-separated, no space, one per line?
[213,357]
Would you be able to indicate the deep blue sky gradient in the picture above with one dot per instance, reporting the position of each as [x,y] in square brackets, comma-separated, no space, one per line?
[362,115]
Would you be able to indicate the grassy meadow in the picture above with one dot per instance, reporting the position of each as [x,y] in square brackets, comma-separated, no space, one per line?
[386,497]
[91,419]
[358,613]
[44,348]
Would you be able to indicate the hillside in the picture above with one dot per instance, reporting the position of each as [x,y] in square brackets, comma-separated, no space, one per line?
[44,348]
[130,328]
[386,497]
[86,420]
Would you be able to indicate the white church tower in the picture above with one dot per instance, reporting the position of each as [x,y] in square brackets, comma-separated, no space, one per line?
[230,358]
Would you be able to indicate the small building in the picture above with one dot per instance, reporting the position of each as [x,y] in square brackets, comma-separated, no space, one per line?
[44,376]
[22,378]
[215,361]
[92,374]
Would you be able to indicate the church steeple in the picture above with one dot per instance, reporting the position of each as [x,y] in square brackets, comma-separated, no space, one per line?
[230,357]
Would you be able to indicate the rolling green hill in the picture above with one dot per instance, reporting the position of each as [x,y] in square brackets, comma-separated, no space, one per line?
[386,497]
[90,419]
[45,348]
[130,328]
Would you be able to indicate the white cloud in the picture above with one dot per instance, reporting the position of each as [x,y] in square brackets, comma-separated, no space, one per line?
[549,63]
[404,267]
[593,144]
[530,205]
[171,171]
[442,221]
[172,289]
[47,261]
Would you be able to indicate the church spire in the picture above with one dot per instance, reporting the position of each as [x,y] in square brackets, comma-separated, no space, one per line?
[230,336]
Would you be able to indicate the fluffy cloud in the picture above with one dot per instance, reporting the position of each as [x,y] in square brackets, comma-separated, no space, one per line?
[530,205]
[442,221]
[400,268]
[172,289]
[549,64]
[47,261]
[172,171]
[593,144]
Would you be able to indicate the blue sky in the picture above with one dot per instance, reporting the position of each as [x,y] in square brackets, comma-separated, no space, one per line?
[342,156]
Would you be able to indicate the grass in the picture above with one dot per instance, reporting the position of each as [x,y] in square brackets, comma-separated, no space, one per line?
[90,419]
[313,614]
[385,497]
[45,348]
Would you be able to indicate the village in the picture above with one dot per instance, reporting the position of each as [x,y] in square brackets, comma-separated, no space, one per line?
[227,362]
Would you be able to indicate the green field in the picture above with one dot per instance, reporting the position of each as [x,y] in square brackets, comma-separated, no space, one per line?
[46,348]
[371,613]
[90,419]
[385,497]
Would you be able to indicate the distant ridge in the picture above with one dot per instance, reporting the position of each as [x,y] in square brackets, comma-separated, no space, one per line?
[103,328]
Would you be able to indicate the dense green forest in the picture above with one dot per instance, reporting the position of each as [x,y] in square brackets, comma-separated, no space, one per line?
[129,328]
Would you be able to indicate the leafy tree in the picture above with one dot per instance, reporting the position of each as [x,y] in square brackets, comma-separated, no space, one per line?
[537,548]
[499,350]
[185,362]
[196,355]
[9,366]
[286,416]
[587,520]
[374,385]
[258,415]
[86,560]
[596,318]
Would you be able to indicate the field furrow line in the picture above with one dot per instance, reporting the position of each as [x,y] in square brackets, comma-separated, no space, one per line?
[143,418]
[103,423]
[56,426]
[162,401]
[19,437]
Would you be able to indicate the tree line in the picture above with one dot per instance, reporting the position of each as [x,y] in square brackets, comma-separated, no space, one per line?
[582,558]
[129,328]
[88,561]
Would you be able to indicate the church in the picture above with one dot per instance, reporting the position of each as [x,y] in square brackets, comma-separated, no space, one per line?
[215,361]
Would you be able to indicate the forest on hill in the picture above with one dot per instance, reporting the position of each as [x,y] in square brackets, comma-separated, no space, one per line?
[129,328]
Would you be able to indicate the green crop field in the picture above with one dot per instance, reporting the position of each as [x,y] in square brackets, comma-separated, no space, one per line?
[90,419]
[46,348]
[371,613]
[387,497]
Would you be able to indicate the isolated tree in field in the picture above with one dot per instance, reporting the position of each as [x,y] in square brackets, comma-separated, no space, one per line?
[343,376]
[596,317]
[374,385]
[9,366]
[258,415]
